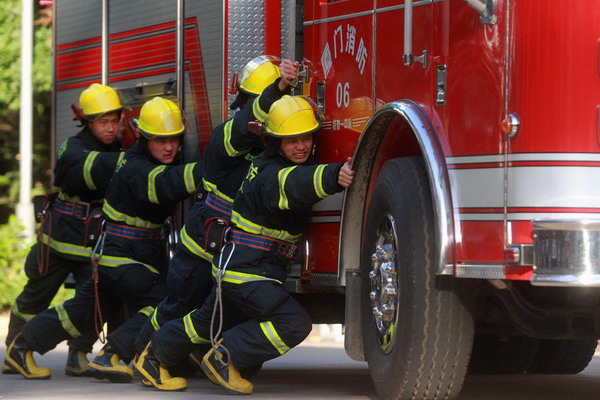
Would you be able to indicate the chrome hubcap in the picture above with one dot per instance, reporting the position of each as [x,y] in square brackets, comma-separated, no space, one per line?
[383,279]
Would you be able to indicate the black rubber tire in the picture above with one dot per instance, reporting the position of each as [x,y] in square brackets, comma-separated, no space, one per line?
[563,356]
[432,339]
[512,355]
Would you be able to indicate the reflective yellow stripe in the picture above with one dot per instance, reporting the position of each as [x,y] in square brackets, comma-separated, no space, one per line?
[25,317]
[241,277]
[133,221]
[193,247]
[188,178]
[73,199]
[152,183]
[66,248]
[258,112]
[211,187]
[146,310]
[231,151]
[114,261]
[271,333]
[65,321]
[282,177]
[251,227]
[318,182]
[191,331]
[153,320]
[87,169]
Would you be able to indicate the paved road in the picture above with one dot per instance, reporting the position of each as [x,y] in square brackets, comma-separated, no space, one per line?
[310,371]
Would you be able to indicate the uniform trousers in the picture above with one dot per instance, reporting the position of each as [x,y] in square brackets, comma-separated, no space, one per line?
[133,285]
[261,321]
[40,290]
[189,281]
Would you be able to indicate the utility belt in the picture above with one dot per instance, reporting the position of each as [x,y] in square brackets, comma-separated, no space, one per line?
[77,210]
[134,232]
[219,232]
[218,203]
[265,243]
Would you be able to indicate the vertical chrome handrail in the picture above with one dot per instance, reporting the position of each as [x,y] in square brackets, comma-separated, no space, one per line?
[105,44]
[180,54]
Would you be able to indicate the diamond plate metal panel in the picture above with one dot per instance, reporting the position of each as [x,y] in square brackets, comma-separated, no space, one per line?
[246,34]
[288,29]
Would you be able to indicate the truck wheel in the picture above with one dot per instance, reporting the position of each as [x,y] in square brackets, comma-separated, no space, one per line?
[563,356]
[417,331]
[513,355]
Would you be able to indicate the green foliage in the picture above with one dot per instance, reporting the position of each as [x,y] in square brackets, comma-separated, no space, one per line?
[13,250]
[10,83]
[10,67]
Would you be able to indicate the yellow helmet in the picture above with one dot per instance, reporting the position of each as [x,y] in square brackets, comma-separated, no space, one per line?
[291,116]
[259,73]
[98,100]
[160,117]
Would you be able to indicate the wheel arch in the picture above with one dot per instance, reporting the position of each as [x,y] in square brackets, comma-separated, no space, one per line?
[398,129]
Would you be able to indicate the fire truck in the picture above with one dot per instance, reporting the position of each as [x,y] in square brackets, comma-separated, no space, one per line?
[470,239]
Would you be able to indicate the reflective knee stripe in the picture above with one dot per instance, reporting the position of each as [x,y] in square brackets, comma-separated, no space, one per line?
[153,320]
[258,112]
[318,182]
[25,317]
[147,311]
[152,197]
[66,248]
[65,321]
[211,187]
[188,178]
[194,247]
[241,277]
[129,220]
[191,331]
[271,333]
[282,177]
[87,169]
[114,261]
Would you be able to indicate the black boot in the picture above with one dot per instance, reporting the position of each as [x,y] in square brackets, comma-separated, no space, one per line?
[108,365]
[151,370]
[20,357]
[220,370]
[77,363]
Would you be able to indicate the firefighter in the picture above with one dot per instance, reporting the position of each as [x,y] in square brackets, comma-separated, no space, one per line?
[229,153]
[269,215]
[130,255]
[86,162]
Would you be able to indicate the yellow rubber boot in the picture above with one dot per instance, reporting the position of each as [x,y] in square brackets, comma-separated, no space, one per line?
[8,370]
[151,370]
[217,367]
[77,363]
[108,365]
[20,357]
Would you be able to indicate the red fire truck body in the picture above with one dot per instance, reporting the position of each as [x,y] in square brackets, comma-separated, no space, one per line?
[473,224]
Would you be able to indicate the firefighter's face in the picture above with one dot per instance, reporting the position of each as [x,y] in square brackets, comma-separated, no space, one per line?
[297,149]
[105,128]
[164,149]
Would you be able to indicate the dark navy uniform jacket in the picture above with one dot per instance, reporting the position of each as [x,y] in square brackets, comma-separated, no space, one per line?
[231,149]
[274,205]
[81,175]
[141,196]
